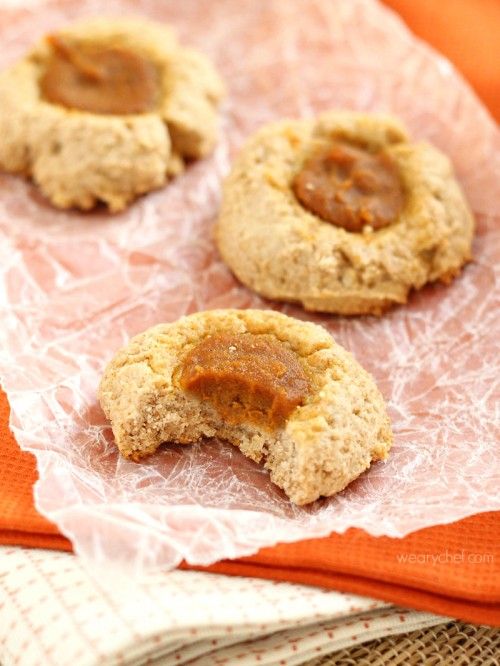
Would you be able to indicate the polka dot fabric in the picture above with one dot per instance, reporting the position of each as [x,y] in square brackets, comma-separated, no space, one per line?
[53,612]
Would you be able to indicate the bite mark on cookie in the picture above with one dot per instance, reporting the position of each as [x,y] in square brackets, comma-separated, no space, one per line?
[310,415]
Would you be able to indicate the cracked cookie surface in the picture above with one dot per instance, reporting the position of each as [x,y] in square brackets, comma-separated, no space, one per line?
[282,250]
[112,154]
[334,425]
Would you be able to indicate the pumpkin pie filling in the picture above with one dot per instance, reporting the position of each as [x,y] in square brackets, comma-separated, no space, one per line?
[99,79]
[350,187]
[247,378]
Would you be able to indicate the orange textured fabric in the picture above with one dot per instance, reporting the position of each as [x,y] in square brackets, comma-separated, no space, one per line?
[17,476]
[465,31]
[452,569]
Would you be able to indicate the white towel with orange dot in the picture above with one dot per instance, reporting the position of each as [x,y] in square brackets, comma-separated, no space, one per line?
[54,612]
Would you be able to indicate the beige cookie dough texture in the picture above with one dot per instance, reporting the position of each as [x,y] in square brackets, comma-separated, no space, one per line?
[79,158]
[282,251]
[325,444]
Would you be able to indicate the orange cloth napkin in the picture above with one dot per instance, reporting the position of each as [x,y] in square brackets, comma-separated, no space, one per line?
[454,569]
[465,31]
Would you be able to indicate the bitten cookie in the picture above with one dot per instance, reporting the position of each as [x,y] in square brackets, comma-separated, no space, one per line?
[342,213]
[106,110]
[279,389]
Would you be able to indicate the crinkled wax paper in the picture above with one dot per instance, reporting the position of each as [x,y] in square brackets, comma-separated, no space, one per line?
[74,287]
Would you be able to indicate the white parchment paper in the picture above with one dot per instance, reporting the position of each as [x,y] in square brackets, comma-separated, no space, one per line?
[74,287]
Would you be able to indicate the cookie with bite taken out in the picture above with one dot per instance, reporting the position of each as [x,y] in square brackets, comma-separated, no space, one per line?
[281,390]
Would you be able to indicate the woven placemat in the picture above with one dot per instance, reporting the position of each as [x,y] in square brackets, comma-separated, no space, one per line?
[447,644]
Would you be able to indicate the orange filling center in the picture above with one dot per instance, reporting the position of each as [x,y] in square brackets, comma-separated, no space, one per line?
[99,79]
[247,378]
[350,187]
